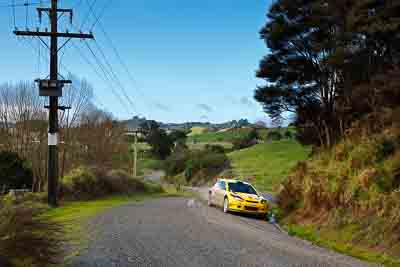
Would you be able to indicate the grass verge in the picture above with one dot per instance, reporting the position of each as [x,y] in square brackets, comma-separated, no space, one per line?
[339,241]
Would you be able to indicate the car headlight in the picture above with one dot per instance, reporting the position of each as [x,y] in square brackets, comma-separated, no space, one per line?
[263,201]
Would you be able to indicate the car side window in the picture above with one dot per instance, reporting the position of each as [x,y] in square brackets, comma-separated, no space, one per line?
[222,185]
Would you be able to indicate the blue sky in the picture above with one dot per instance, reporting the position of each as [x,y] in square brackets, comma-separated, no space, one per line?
[191,60]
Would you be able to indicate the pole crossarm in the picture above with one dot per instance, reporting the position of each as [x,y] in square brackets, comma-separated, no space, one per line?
[59,10]
[56,34]
[47,9]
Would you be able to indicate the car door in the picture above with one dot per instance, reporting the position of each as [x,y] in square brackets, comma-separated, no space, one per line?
[213,194]
[220,194]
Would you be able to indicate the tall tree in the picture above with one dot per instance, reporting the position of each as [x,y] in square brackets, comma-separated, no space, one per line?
[324,55]
[161,143]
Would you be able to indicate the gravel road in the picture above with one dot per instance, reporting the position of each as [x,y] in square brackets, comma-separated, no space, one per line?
[185,232]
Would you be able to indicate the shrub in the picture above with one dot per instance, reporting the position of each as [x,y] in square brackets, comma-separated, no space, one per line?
[386,148]
[175,163]
[196,166]
[288,134]
[392,169]
[14,171]
[82,183]
[242,143]
[26,238]
[204,165]
[246,140]
[85,183]
[119,182]
[274,136]
[215,148]
[363,155]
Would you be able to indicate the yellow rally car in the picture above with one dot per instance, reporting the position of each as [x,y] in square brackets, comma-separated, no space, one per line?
[237,196]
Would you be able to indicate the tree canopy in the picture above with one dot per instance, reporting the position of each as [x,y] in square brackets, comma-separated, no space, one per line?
[330,62]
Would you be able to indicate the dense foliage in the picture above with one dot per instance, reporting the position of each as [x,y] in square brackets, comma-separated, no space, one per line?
[161,143]
[197,166]
[84,183]
[14,172]
[330,62]
[247,140]
[355,185]
[274,136]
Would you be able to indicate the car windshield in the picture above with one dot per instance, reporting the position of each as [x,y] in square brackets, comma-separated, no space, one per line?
[240,187]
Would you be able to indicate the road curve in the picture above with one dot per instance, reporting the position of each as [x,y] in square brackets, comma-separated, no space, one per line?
[185,232]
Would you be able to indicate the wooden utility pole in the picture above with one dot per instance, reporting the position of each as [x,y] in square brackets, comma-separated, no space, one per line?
[135,157]
[134,151]
[53,88]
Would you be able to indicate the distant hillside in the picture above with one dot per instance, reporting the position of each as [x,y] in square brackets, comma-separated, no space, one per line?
[225,135]
[232,134]
[136,121]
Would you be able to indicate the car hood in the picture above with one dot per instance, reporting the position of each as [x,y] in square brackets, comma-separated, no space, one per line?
[250,197]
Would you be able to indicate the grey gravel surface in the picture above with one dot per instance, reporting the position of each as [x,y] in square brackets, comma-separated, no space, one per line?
[185,232]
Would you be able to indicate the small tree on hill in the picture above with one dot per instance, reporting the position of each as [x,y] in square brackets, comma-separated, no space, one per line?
[288,134]
[161,143]
[274,136]
[247,141]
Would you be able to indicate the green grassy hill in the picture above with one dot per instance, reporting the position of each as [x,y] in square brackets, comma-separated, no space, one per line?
[267,165]
[224,136]
[198,131]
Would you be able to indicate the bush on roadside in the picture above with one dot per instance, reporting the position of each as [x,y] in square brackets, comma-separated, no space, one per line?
[82,183]
[195,167]
[248,140]
[85,183]
[205,165]
[26,238]
[354,184]
[288,134]
[14,171]
[176,163]
[274,136]
[215,148]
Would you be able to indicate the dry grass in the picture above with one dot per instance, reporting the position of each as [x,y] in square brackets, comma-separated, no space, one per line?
[356,183]
[27,239]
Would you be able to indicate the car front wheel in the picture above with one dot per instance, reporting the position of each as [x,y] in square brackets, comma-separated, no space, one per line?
[226,205]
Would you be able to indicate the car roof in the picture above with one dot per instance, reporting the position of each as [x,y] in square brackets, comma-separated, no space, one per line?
[232,181]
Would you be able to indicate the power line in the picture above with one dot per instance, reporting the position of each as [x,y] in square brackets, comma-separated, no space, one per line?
[110,74]
[15,25]
[89,11]
[97,19]
[99,62]
[113,74]
[45,59]
[26,4]
[26,14]
[121,61]
[104,77]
